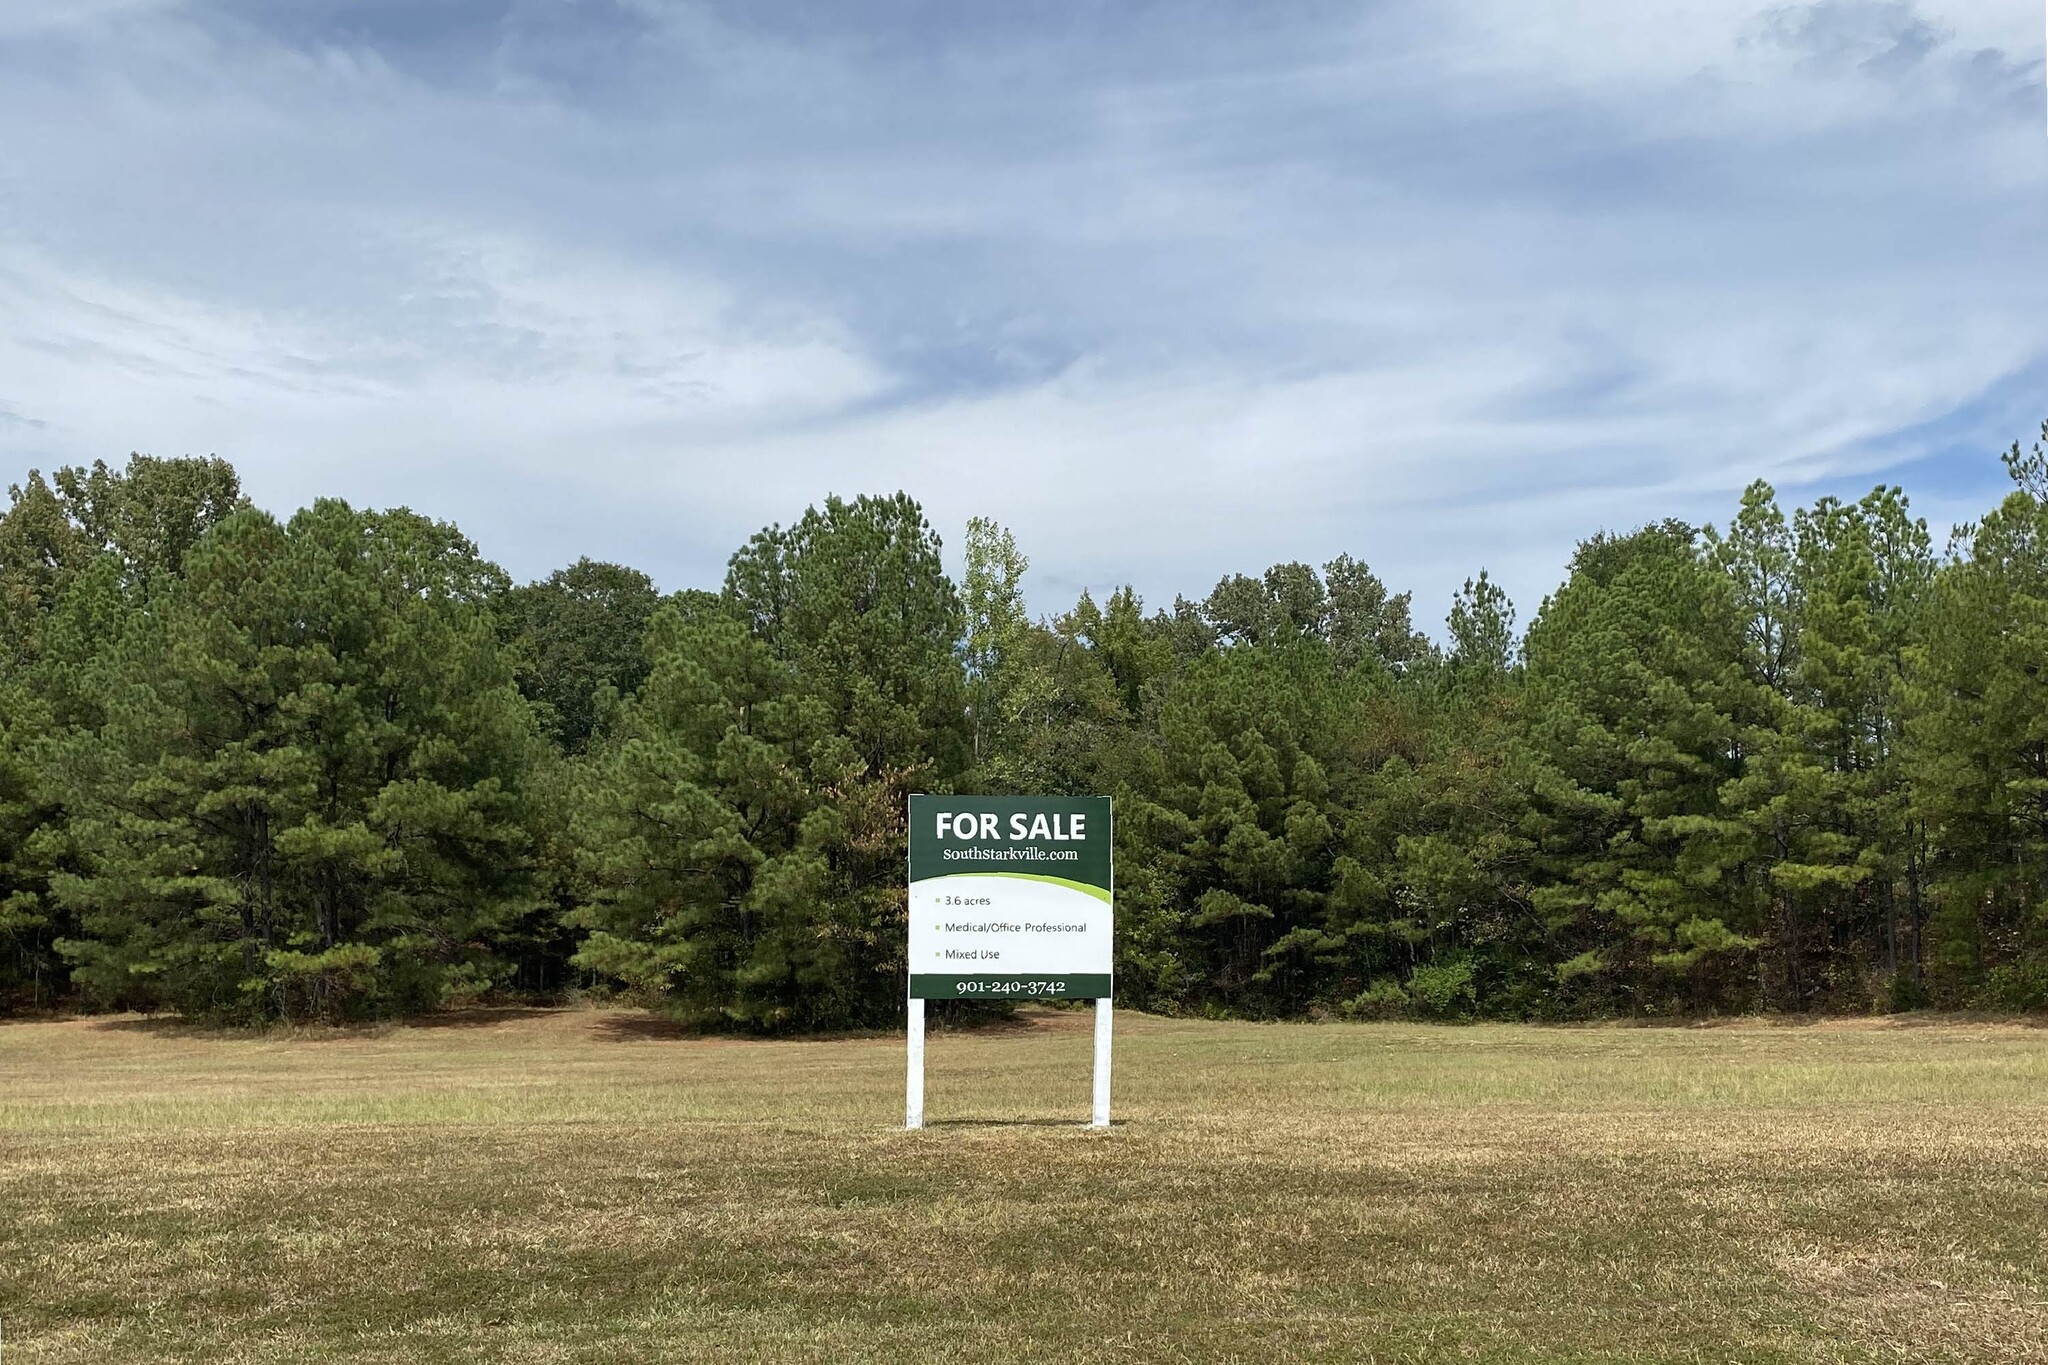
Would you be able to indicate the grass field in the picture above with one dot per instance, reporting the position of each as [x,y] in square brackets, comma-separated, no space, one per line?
[585,1185]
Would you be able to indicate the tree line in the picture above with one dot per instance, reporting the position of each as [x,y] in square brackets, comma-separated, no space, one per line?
[339,766]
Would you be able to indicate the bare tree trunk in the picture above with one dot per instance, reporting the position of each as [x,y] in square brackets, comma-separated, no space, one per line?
[330,914]
[1891,927]
[1914,871]
[263,852]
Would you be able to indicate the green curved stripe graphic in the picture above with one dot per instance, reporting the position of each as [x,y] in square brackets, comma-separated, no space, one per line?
[1082,887]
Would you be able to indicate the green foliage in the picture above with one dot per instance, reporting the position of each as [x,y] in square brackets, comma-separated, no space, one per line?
[150,514]
[1241,825]
[2021,985]
[853,599]
[580,632]
[742,832]
[337,767]
[304,796]
[1637,702]
[31,834]
[1386,998]
[1482,628]
[128,532]
[999,679]
[1443,990]
[1979,746]
[41,551]
[1367,624]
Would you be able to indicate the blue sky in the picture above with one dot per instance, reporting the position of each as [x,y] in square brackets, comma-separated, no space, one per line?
[1174,290]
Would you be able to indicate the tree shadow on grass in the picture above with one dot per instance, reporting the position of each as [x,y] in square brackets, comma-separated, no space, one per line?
[1027,1019]
[172,1026]
[632,1026]
[178,1026]
[621,1027]
[477,1016]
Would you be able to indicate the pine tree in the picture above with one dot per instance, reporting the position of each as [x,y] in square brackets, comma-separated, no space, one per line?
[305,797]
[110,539]
[1241,824]
[1978,731]
[744,829]
[1482,630]
[1637,706]
[31,972]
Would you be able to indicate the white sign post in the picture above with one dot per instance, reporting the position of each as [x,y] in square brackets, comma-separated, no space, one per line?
[1011,898]
[1098,1114]
[913,1085]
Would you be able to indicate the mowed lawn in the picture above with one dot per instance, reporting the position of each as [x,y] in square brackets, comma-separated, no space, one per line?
[587,1185]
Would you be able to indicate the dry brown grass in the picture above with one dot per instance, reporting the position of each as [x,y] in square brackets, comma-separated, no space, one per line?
[585,1185]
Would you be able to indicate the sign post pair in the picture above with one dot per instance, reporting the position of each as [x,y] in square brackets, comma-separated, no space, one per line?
[1011,898]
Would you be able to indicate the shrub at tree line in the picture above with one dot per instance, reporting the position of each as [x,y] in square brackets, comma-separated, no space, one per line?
[338,766]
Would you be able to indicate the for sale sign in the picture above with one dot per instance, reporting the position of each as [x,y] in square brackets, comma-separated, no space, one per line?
[1010,897]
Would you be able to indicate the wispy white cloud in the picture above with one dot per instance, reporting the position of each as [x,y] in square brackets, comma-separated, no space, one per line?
[1175,294]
